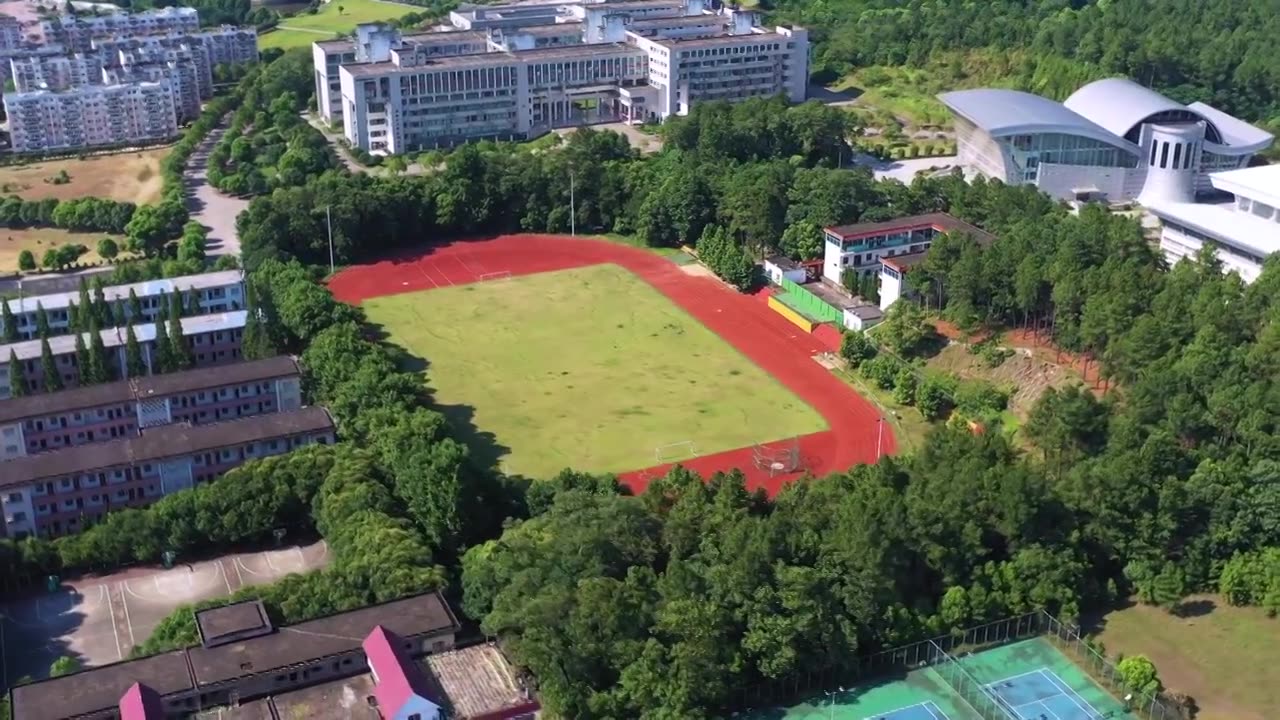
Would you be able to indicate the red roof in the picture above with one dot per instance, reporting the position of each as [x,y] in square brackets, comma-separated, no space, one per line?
[941,222]
[141,703]
[398,678]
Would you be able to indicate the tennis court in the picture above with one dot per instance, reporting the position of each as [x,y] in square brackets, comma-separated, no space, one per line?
[1025,680]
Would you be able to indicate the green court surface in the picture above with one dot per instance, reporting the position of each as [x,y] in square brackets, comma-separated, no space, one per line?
[1029,680]
[331,19]
[589,368]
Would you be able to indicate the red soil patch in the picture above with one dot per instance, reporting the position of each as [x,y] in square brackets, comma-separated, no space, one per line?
[746,323]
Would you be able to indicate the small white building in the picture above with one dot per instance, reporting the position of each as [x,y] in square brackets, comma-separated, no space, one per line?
[778,267]
[862,317]
[1243,231]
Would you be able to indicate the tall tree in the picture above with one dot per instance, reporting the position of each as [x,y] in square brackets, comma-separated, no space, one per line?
[9,321]
[133,362]
[255,342]
[73,317]
[135,307]
[181,353]
[118,316]
[52,378]
[42,321]
[162,360]
[17,375]
[82,362]
[101,309]
[99,363]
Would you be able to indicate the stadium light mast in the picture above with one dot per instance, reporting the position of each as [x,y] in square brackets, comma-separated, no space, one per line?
[573,221]
[328,221]
[879,435]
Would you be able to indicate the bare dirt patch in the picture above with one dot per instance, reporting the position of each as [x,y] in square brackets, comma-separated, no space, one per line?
[1027,375]
[126,177]
[697,270]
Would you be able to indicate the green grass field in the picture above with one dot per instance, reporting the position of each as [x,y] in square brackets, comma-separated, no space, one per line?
[590,368]
[302,30]
[1226,657]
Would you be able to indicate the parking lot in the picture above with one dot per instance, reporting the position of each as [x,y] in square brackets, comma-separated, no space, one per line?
[100,621]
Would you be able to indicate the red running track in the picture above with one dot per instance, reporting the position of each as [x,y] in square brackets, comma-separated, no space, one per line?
[782,349]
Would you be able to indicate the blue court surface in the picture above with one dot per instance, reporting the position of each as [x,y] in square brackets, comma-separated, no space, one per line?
[1041,695]
[919,711]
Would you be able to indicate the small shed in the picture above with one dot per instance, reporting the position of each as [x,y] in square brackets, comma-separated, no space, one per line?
[862,317]
[777,267]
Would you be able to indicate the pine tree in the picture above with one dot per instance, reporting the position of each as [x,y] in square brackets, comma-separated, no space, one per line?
[9,321]
[181,354]
[52,378]
[73,317]
[175,305]
[193,303]
[82,361]
[162,350]
[256,342]
[117,313]
[135,307]
[133,363]
[17,378]
[98,364]
[101,309]
[42,321]
[84,302]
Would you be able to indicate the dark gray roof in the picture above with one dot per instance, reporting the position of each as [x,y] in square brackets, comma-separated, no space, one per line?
[100,688]
[124,391]
[163,442]
[1003,112]
[420,615]
[218,625]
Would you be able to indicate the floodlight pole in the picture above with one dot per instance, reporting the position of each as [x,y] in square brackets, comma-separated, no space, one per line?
[879,435]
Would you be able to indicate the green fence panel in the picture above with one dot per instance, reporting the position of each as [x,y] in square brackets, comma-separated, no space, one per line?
[811,304]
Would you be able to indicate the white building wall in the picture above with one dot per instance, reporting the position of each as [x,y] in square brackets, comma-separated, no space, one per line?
[12,442]
[1177,245]
[19,513]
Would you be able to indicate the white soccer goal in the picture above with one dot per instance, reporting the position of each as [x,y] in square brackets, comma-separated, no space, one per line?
[499,275]
[675,452]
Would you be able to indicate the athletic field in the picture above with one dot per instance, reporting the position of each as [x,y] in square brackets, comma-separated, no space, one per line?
[590,368]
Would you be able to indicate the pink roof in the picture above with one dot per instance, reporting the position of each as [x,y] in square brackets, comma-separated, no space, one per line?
[398,678]
[141,703]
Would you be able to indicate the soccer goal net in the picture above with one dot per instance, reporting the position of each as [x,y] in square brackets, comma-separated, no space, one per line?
[500,275]
[778,458]
[674,452]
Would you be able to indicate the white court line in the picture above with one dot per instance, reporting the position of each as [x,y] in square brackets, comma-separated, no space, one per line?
[1053,679]
[235,563]
[1011,678]
[929,706]
[465,265]
[222,569]
[302,561]
[895,711]
[133,642]
[115,635]
[420,265]
[267,554]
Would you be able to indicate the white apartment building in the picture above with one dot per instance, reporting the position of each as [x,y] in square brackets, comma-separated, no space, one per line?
[229,45]
[536,67]
[78,32]
[55,72]
[1242,231]
[91,116]
[10,33]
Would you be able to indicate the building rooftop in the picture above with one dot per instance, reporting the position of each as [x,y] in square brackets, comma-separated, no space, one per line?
[58,301]
[865,312]
[123,391]
[717,41]
[345,699]
[1003,112]
[115,337]
[903,263]
[476,681]
[163,442]
[1256,183]
[100,688]
[941,222]
[420,615]
[1242,230]
[220,625]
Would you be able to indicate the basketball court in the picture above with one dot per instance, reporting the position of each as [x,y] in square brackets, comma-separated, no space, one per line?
[101,620]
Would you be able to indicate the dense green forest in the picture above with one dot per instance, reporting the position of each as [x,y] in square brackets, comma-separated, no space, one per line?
[1225,52]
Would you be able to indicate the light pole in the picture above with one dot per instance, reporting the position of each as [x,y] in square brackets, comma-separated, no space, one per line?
[831,707]
[328,221]
[879,435]
[573,220]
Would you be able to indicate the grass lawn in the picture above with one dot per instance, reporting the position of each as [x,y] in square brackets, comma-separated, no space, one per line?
[590,368]
[38,240]
[301,30]
[127,177]
[1227,658]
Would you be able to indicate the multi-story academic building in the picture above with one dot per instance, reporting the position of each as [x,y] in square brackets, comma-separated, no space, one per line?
[214,292]
[59,492]
[98,413]
[212,340]
[514,72]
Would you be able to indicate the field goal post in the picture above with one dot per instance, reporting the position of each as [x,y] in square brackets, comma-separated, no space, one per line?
[675,452]
[490,276]
[780,457]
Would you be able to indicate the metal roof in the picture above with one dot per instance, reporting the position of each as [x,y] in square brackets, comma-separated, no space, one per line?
[1239,136]
[1003,112]
[1256,183]
[1118,104]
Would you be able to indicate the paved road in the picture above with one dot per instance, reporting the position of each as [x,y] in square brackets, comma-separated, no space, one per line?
[217,212]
